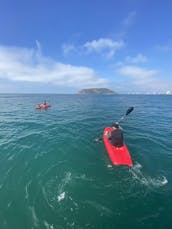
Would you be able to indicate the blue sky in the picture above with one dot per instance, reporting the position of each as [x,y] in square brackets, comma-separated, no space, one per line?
[62,46]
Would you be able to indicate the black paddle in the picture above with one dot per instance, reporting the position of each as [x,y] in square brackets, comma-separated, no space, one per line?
[130,109]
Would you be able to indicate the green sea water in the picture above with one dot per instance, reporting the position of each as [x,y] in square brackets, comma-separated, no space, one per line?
[54,175]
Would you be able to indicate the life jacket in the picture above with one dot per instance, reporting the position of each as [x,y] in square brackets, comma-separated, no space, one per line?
[117,137]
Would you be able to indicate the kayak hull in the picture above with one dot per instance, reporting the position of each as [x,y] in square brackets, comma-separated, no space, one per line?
[117,155]
[43,107]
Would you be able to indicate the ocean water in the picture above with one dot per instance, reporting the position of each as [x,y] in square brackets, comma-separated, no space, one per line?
[54,175]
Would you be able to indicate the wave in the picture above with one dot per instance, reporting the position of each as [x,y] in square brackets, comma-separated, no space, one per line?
[35,219]
[100,208]
[61,187]
[64,182]
[148,181]
[54,193]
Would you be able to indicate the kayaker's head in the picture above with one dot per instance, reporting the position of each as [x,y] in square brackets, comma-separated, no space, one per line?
[115,125]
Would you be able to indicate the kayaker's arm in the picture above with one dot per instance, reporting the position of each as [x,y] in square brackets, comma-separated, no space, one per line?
[108,135]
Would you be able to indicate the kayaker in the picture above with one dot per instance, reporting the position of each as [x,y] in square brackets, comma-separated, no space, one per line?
[45,103]
[116,135]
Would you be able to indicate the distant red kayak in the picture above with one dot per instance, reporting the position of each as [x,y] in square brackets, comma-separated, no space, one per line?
[118,155]
[43,106]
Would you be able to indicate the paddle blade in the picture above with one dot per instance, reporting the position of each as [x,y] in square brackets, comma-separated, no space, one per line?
[130,109]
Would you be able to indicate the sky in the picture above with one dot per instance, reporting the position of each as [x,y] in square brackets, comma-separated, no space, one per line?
[63,46]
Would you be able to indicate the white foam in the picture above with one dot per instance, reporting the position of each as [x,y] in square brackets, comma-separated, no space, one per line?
[100,208]
[64,182]
[147,180]
[48,226]
[61,196]
[137,166]
[34,216]
[26,189]
[160,181]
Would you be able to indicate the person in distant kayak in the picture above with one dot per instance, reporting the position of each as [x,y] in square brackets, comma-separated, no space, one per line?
[45,103]
[116,135]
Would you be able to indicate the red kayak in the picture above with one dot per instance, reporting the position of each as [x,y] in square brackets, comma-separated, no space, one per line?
[118,155]
[42,106]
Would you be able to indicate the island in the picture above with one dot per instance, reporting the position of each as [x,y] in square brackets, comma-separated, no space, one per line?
[97,91]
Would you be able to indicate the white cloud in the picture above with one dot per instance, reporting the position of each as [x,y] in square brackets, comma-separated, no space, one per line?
[68,48]
[164,48]
[129,19]
[138,74]
[104,46]
[126,23]
[140,58]
[143,79]
[29,65]
[38,46]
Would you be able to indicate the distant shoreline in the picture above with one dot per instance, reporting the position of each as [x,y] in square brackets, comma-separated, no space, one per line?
[48,93]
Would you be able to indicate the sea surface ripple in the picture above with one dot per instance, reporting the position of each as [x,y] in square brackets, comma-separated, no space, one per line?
[53,174]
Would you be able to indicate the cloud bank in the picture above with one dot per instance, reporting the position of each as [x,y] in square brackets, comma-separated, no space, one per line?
[143,79]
